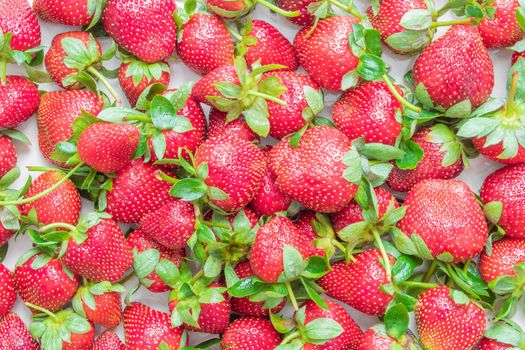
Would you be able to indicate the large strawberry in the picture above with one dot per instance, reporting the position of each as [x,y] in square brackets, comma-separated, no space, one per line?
[108,341]
[134,76]
[444,213]
[19,99]
[503,30]
[7,290]
[133,25]
[14,334]
[218,127]
[445,317]
[506,186]
[69,12]
[250,332]
[504,255]
[99,303]
[8,155]
[17,18]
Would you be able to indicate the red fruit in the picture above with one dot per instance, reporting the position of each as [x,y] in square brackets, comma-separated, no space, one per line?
[358,283]
[135,76]
[305,16]
[495,151]
[516,55]
[108,147]
[103,255]
[250,333]
[435,164]
[503,30]
[506,253]
[507,185]
[236,128]
[235,8]
[305,225]
[18,18]
[80,341]
[204,43]
[369,110]
[19,99]
[7,290]
[279,154]
[68,12]
[491,344]
[14,334]
[312,173]
[235,166]
[5,234]
[146,328]
[133,24]
[56,113]
[49,286]
[447,217]
[266,256]
[60,205]
[206,85]
[107,310]
[456,67]
[108,341]
[376,338]
[325,53]
[136,192]
[8,155]
[441,321]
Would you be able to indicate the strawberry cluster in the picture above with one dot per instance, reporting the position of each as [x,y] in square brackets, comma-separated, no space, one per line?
[257,220]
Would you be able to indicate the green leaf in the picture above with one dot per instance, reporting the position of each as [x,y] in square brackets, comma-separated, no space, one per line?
[321,330]
[117,114]
[256,117]
[417,19]
[293,263]
[146,262]
[314,98]
[459,297]
[217,194]
[396,320]
[373,42]
[404,268]
[163,113]
[492,211]
[423,96]
[379,151]
[353,232]
[349,80]
[371,67]
[409,41]
[314,295]
[246,287]
[189,189]
[459,110]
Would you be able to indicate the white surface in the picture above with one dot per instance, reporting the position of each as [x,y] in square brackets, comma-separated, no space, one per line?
[474,175]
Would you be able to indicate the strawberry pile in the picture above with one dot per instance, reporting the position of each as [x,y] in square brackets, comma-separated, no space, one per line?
[234,203]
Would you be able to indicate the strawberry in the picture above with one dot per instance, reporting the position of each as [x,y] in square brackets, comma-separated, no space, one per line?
[506,186]
[56,113]
[146,329]
[442,159]
[250,333]
[446,317]
[107,147]
[19,99]
[7,290]
[454,69]
[377,338]
[8,155]
[325,53]
[16,17]
[312,173]
[69,12]
[43,281]
[503,30]
[171,225]
[206,86]
[369,110]
[267,253]
[305,18]
[5,234]
[47,210]
[447,217]
[134,76]
[14,334]
[108,341]
[491,344]
[505,254]
[279,154]
[358,283]
[132,25]
[227,9]
[218,127]
[136,191]
[309,225]
[99,303]
[204,43]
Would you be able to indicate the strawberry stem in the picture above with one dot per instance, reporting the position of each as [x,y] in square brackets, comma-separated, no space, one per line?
[422,285]
[398,96]
[278,10]
[290,337]
[216,224]
[454,22]
[233,33]
[3,70]
[339,245]
[41,309]
[431,269]
[127,278]
[291,295]
[267,97]
[57,225]
[384,255]
[165,177]
[347,8]
[512,92]
[104,82]
[197,276]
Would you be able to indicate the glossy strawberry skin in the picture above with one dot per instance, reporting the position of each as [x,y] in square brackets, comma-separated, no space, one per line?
[14,334]
[5,234]
[492,152]
[108,310]
[225,5]
[358,283]
[108,341]
[373,341]
[506,253]
[506,185]
[8,155]
[206,85]
[205,43]
[247,333]
[305,17]
[18,18]
[447,216]
[68,12]
[325,54]
[132,24]
[80,341]
[503,30]
[305,226]
[491,344]
[441,321]
[19,99]
[236,128]
[132,90]
[7,290]
[369,110]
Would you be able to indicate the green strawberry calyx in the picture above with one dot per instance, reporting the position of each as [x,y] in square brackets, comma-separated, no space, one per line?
[86,295]
[8,55]
[509,290]
[139,70]
[507,332]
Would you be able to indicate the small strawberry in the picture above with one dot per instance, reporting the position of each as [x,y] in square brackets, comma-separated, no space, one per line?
[359,282]
[108,341]
[218,127]
[250,332]
[445,317]
[132,25]
[504,255]
[491,344]
[8,155]
[7,290]
[5,234]
[149,329]
[506,186]
[14,334]
[69,12]
[207,85]
[19,99]
[233,9]
[312,226]
[503,30]
[377,338]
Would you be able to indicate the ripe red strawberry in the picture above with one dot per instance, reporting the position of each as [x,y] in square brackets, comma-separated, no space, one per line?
[305,16]
[136,191]
[305,224]
[496,152]
[505,253]
[171,225]
[18,18]
[19,99]
[99,304]
[14,334]
[5,234]
[227,9]
[108,147]
[132,25]
[146,329]
[506,185]
[503,30]
[8,155]
[250,333]
[68,12]
[204,43]
[441,159]
[358,283]
[447,217]
[7,290]
[312,173]
[134,76]
[206,85]
[236,128]
[279,155]
[455,68]
[441,320]
[56,113]
[266,256]
[491,344]
[376,338]
[44,284]
[325,53]
[100,254]
[369,110]
[47,210]
[108,341]
[235,166]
